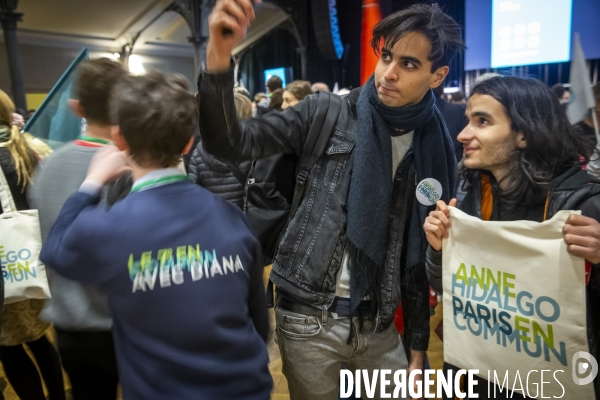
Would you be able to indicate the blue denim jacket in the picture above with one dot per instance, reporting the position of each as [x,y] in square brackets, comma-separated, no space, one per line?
[310,251]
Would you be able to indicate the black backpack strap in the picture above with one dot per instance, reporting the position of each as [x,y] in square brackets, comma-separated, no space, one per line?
[239,175]
[329,107]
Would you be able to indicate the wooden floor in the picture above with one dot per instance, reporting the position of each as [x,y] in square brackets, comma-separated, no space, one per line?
[280,389]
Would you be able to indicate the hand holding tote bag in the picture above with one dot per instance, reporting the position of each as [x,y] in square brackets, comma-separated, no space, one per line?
[20,244]
[515,305]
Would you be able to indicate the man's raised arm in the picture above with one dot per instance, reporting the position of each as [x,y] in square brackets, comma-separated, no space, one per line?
[222,133]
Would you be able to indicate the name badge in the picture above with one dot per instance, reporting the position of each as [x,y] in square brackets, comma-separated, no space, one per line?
[429,191]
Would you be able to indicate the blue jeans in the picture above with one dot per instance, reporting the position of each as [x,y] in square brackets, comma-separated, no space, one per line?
[313,350]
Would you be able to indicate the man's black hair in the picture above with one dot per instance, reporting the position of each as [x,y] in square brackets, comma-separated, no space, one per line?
[274,82]
[559,90]
[443,32]
[458,96]
[552,143]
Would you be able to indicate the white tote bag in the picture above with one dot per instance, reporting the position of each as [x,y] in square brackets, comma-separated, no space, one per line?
[514,306]
[20,244]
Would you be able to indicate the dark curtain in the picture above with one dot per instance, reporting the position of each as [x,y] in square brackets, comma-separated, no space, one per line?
[319,70]
[277,49]
[350,16]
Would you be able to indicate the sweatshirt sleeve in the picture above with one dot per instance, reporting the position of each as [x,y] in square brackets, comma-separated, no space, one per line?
[257,303]
[70,248]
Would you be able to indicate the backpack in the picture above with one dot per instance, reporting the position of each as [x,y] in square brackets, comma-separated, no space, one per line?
[270,196]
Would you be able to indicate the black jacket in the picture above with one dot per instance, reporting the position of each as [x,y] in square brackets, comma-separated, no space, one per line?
[216,176]
[454,117]
[310,252]
[574,189]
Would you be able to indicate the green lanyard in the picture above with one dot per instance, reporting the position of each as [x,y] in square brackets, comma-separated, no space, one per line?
[159,182]
[94,140]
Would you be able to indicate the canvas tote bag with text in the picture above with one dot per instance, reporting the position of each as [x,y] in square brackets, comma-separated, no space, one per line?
[514,306]
[20,244]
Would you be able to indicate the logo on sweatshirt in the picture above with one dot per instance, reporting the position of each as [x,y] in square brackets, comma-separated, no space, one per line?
[17,265]
[172,266]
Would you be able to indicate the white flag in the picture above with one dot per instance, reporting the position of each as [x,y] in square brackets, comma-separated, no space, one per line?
[582,97]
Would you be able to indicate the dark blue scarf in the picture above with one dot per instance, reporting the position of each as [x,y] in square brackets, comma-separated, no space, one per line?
[370,194]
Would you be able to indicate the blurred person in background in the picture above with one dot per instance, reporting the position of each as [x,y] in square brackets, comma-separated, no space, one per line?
[273,84]
[258,97]
[276,102]
[20,321]
[242,90]
[323,87]
[586,127]
[562,93]
[458,98]
[454,116]
[214,174]
[80,313]
[294,92]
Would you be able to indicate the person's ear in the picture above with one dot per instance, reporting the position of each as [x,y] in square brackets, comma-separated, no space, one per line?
[118,139]
[438,76]
[188,146]
[521,142]
[76,108]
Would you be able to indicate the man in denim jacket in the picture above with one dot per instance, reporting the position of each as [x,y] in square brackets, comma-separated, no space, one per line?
[354,248]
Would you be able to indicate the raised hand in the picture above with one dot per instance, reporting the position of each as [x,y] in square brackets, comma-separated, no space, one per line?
[107,165]
[438,223]
[228,23]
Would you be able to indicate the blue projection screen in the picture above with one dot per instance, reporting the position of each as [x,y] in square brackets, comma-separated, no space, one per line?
[280,72]
[530,32]
[504,33]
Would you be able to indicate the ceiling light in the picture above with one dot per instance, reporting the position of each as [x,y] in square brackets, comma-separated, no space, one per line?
[135,65]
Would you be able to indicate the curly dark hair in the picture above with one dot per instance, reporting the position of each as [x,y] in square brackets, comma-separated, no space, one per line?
[553,144]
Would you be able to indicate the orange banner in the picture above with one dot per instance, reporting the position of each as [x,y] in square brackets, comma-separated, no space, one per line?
[371,15]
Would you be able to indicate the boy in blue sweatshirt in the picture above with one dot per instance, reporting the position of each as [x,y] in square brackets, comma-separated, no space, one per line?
[181,269]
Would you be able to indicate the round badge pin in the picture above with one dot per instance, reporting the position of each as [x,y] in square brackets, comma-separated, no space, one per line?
[429,191]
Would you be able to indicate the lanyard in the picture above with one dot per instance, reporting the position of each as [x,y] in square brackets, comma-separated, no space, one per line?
[159,182]
[92,142]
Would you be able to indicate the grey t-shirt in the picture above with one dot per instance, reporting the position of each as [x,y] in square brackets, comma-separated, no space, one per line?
[73,306]
[400,146]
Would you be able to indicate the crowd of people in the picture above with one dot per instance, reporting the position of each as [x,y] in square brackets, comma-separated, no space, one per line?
[156,274]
